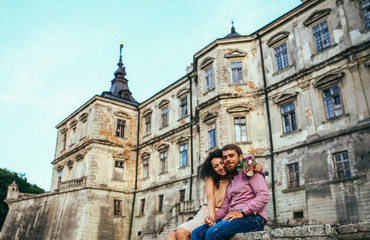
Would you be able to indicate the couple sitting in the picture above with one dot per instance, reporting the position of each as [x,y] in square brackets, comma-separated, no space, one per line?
[235,203]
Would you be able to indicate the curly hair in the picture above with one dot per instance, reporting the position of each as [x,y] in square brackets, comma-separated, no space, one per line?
[207,170]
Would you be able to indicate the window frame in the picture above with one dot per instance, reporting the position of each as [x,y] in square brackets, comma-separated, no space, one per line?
[241,130]
[117,207]
[163,161]
[184,102]
[185,151]
[239,72]
[213,123]
[296,173]
[278,45]
[145,167]
[348,160]
[160,203]
[366,25]
[288,113]
[332,97]
[209,72]
[164,120]
[120,128]
[148,124]
[182,195]
[142,207]
[315,24]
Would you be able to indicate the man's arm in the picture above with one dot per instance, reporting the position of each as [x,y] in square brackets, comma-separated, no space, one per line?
[262,195]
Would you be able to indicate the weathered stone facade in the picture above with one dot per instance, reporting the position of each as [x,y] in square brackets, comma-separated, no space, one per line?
[295,94]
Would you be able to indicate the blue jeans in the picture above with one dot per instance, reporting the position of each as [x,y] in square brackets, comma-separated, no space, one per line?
[226,229]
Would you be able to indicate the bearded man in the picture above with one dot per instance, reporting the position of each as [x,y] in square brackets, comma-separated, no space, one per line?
[244,208]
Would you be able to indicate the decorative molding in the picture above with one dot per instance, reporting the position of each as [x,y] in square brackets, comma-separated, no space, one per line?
[182,140]
[60,168]
[182,92]
[353,67]
[280,36]
[122,114]
[316,15]
[328,79]
[238,109]
[235,53]
[367,63]
[284,97]
[163,147]
[73,123]
[145,155]
[120,157]
[83,117]
[64,130]
[206,62]
[147,112]
[163,103]
[210,116]
[70,164]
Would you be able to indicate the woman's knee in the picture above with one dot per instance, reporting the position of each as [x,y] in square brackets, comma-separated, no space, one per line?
[171,235]
[182,233]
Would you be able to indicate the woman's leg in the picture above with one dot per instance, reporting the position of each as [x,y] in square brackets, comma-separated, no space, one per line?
[171,235]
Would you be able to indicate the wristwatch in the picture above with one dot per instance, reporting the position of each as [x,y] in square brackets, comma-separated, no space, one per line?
[242,212]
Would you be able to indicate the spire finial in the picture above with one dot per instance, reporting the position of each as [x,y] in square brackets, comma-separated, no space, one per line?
[232,26]
[121,71]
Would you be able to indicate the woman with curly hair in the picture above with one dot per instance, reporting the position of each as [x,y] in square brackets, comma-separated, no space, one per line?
[214,172]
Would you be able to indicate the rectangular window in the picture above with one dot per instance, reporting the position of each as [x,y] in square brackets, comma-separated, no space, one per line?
[145,167]
[365,9]
[142,207]
[236,71]
[117,208]
[240,128]
[148,120]
[64,141]
[164,114]
[321,36]
[209,79]
[160,203]
[120,131]
[163,157]
[288,116]
[184,107]
[342,166]
[182,195]
[183,155]
[59,176]
[118,171]
[74,130]
[293,170]
[332,101]
[83,128]
[281,56]
[212,135]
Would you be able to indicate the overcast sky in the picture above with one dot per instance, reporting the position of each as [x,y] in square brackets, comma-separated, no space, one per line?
[56,55]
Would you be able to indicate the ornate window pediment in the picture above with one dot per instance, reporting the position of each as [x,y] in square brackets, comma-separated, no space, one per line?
[206,62]
[235,53]
[182,92]
[73,123]
[238,109]
[163,103]
[70,164]
[63,130]
[83,116]
[163,147]
[280,36]
[147,112]
[60,168]
[145,155]
[285,97]
[122,115]
[328,79]
[210,116]
[182,140]
[317,15]
[120,157]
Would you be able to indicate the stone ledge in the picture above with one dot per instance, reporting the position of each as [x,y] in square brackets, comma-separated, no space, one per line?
[317,232]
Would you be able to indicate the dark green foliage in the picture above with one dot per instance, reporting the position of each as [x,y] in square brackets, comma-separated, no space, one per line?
[6,178]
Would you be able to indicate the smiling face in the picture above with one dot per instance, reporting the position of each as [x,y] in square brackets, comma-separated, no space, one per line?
[218,166]
[231,160]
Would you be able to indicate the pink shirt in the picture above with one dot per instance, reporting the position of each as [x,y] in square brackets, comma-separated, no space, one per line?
[250,194]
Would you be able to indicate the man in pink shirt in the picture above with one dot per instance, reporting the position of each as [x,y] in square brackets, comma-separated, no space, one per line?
[244,208]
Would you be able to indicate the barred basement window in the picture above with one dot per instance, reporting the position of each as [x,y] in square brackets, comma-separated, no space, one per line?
[142,207]
[182,195]
[160,203]
[321,36]
[281,56]
[240,128]
[288,116]
[293,177]
[121,124]
[332,101]
[237,72]
[365,9]
[117,208]
[342,166]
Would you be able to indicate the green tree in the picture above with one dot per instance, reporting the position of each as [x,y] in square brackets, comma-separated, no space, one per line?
[6,178]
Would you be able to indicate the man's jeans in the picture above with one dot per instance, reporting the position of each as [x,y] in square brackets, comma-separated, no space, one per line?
[226,229]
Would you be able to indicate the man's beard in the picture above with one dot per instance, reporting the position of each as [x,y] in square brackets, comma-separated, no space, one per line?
[231,169]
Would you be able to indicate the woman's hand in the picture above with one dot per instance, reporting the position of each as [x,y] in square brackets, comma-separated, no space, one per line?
[210,221]
[258,167]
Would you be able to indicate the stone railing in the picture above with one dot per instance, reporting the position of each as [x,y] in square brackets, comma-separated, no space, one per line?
[183,207]
[74,183]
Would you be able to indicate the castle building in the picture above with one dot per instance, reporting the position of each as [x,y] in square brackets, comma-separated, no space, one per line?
[295,94]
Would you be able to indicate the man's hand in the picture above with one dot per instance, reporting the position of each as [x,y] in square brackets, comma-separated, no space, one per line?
[233,215]
[258,167]
[210,221]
